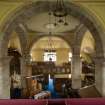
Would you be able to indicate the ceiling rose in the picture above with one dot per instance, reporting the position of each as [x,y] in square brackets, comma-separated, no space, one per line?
[50,26]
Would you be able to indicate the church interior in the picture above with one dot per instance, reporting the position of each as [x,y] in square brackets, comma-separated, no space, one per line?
[52,49]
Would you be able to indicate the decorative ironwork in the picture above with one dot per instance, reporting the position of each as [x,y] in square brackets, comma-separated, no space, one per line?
[60,13]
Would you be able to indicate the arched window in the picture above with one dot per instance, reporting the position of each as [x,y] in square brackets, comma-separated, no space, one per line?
[50,56]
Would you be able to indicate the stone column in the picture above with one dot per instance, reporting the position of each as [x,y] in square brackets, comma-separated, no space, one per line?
[5,77]
[100,75]
[23,72]
[29,70]
[76,67]
[103,78]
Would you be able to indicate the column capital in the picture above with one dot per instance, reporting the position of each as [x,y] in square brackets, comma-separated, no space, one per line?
[25,59]
[76,49]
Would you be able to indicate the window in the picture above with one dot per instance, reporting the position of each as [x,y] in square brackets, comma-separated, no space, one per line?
[50,56]
[70,56]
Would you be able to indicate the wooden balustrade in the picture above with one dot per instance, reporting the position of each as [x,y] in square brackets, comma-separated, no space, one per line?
[46,68]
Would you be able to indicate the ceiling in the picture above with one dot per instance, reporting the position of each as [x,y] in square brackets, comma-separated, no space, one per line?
[40,23]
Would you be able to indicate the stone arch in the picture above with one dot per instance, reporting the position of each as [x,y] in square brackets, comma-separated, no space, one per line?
[22,37]
[95,28]
[42,36]
[80,13]
[84,16]
[78,36]
[25,13]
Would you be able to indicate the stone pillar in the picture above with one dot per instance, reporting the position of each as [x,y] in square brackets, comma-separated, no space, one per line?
[100,75]
[103,78]
[23,72]
[76,67]
[29,70]
[5,77]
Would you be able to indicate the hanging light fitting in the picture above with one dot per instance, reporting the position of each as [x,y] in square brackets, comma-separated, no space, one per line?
[60,12]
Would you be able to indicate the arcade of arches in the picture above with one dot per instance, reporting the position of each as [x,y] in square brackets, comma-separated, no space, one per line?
[70,63]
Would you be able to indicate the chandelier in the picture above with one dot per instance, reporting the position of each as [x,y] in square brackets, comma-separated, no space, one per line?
[60,13]
[50,43]
[51,47]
